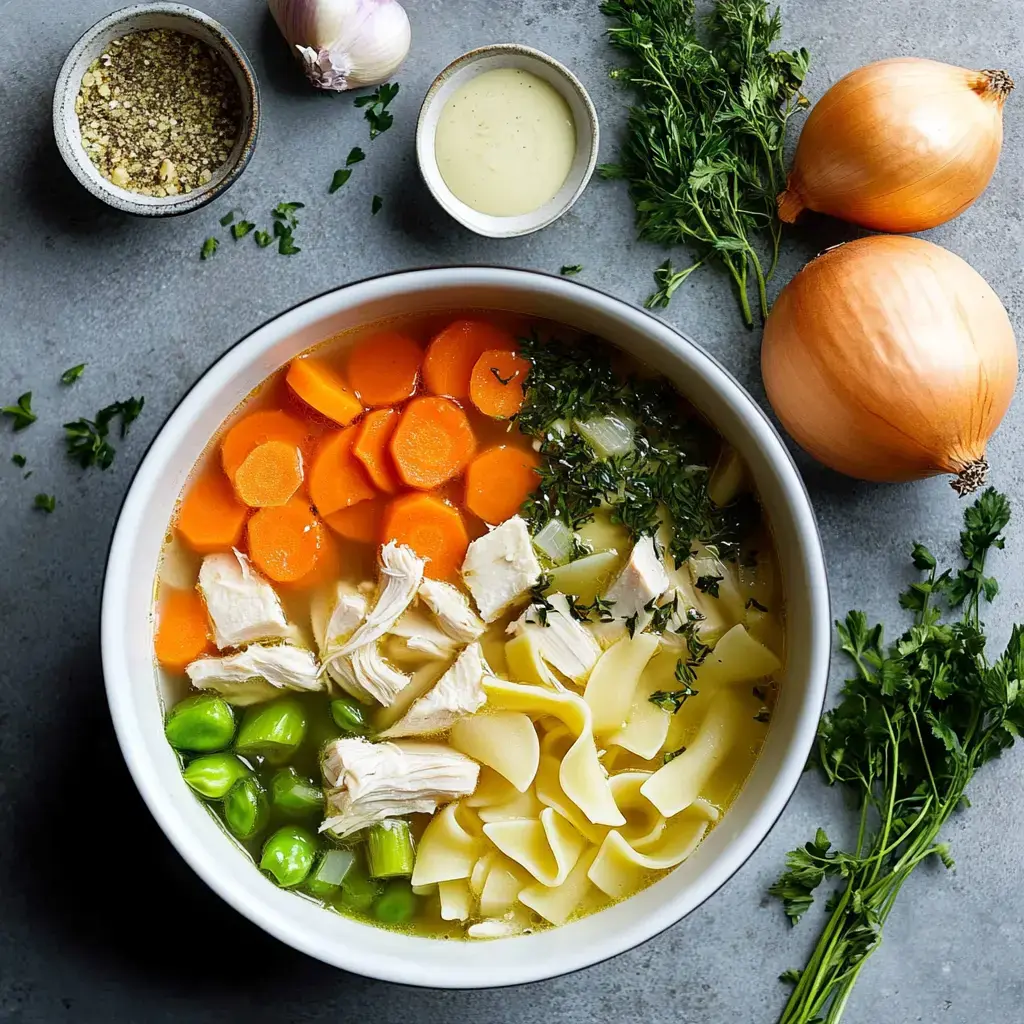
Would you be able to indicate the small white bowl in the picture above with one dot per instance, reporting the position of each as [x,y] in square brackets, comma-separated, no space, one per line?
[475,63]
[140,18]
[134,694]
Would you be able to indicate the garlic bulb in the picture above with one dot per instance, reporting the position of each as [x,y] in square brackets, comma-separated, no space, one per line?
[345,44]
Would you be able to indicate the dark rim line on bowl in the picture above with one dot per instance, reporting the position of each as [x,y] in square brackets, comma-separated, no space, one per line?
[242,62]
[572,284]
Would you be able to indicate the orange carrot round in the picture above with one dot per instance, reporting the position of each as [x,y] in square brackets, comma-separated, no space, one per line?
[371,448]
[362,522]
[432,528]
[453,353]
[499,480]
[432,442]
[285,541]
[270,474]
[320,387]
[336,477]
[182,628]
[496,385]
[256,429]
[383,369]
[211,518]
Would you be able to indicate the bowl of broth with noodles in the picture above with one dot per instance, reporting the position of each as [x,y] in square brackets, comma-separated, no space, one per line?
[461,607]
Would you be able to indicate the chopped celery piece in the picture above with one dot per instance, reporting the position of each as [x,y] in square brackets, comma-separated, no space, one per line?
[358,890]
[610,436]
[554,541]
[272,731]
[330,872]
[348,716]
[727,478]
[397,903]
[390,849]
[294,794]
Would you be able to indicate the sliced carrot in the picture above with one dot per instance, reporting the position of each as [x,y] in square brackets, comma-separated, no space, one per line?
[258,428]
[432,528]
[371,448]
[496,386]
[336,477]
[499,480]
[328,567]
[432,442]
[362,522]
[285,541]
[383,369]
[182,628]
[211,517]
[320,387]
[453,353]
[270,474]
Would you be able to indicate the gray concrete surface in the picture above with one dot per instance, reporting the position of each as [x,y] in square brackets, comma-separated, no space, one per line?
[99,919]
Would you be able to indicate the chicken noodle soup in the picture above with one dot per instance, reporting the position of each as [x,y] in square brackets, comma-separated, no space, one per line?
[473,626]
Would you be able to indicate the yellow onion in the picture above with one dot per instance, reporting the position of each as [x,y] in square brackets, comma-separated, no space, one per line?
[899,145]
[891,359]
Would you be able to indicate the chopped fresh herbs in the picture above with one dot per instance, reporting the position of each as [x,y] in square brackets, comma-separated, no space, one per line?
[912,727]
[241,229]
[703,154]
[21,415]
[632,621]
[599,609]
[46,502]
[672,700]
[662,614]
[571,270]
[210,246]
[376,205]
[376,103]
[355,156]
[286,212]
[708,584]
[227,218]
[340,177]
[539,600]
[752,602]
[285,223]
[498,377]
[263,238]
[72,373]
[87,440]
[19,460]
[671,755]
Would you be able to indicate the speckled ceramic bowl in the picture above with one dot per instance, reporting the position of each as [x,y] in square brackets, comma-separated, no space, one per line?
[91,45]
[469,66]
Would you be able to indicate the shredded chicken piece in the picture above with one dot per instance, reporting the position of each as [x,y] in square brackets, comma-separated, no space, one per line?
[375,675]
[562,641]
[241,604]
[421,634]
[257,673]
[452,610]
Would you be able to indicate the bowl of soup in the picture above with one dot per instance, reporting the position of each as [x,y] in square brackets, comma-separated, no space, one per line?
[466,606]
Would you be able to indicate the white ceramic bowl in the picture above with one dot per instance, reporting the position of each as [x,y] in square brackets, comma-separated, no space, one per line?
[469,66]
[132,689]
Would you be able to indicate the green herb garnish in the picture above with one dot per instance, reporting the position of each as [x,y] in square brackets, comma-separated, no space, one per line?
[209,248]
[708,584]
[376,103]
[912,727]
[21,415]
[752,602]
[285,223]
[227,218]
[19,460]
[672,700]
[355,154]
[46,502]
[376,205]
[263,238]
[340,177]
[241,229]
[70,375]
[87,440]
[703,154]
[571,270]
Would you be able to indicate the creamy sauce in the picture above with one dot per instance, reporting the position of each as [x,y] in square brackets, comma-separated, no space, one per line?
[505,142]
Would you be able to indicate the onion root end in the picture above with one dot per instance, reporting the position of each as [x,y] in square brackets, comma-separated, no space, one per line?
[970,478]
[995,83]
[790,204]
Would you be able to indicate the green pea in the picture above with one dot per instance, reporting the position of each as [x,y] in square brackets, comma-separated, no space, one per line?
[246,808]
[272,731]
[294,794]
[329,873]
[397,903]
[348,716]
[213,775]
[288,856]
[358,890]
[201,724]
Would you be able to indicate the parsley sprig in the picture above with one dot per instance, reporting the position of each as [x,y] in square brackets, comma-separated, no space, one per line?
[376,103]
[87,440]
[913,726]
[703,153]
[21,415]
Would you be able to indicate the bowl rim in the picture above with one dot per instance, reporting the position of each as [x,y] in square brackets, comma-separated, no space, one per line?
[73,156]
[392,969]
[490,226]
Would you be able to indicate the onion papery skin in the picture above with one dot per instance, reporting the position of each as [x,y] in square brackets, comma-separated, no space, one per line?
[899,145]
[891,359]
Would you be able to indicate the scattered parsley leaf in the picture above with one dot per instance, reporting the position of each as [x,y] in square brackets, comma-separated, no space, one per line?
[209,248]
[227,218]
[263,238]
[376,205]
[70,375]
[27,475]
[21,414]
[571,270]
[286,245]
[241,229]
[286,212]
[355,156]
[46,502]
[708,584]
[19,460]
[86,440]
[376,103]
[340,177]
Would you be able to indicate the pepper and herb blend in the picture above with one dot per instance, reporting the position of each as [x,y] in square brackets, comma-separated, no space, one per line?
[159,112]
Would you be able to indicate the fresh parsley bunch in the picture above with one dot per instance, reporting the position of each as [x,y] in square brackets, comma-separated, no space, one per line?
[703,153]
[914,724]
